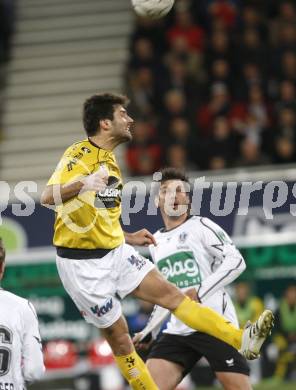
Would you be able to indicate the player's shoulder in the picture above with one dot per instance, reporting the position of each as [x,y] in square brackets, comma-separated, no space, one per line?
[80,149]
[204,221]
[195,221]
[201,224]
[157,233]
[14,300]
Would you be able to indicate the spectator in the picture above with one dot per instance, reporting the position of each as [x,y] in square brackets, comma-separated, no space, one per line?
[142,92]
[219,48]
[287,12]
[225,11]
[247,305]
[143,54]
[285,152]
[180,132]
[287,123]
[152,30]
[287,38]
[175,105]
[216,163]
[177,157]
[252,50]
[288,66]
[250,75]
[218,105]
[253,19]
[221,73]
[192,60]
[251,155]
[185,27]
[177,78]
[285,339]
[252,118]
[287,96]
[222,144]
[143,154]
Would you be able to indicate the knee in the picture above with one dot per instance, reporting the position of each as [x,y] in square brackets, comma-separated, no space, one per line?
[121,344]
[171,297]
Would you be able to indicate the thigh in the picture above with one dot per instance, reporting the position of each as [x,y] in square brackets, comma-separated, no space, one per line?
[234,381]
[131,269]
[156,289]
[221,356]
[92,286]
[166,375]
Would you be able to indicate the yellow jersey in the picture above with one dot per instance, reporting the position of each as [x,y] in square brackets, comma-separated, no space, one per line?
[90,220]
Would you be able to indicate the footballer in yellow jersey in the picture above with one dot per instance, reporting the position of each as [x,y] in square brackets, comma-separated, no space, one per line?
[90,220]
[95,260]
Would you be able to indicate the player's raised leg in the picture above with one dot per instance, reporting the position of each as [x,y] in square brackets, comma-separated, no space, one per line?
[155,289]
[129,362]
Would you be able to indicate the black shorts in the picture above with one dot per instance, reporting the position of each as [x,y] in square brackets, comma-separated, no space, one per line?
[188,350]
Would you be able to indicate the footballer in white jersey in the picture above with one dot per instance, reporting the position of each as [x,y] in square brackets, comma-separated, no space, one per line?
[197,256]
[21,358]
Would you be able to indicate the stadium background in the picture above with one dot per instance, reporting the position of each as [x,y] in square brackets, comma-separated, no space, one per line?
[212,89]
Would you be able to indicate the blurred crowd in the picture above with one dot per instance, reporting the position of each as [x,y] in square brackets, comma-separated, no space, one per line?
[212,86]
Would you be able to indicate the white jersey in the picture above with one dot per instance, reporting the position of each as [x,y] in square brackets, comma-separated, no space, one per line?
[21,358]
[199,254]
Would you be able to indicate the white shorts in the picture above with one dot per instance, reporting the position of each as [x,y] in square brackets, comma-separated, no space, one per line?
[97,285]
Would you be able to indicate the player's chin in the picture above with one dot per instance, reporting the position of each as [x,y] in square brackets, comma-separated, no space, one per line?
[128,136]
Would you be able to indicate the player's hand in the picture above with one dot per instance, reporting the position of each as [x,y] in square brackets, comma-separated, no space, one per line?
[142,238]
[192,294]
[144,346]
[96,181]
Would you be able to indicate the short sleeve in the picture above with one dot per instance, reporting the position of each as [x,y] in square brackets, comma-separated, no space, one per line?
[71,166]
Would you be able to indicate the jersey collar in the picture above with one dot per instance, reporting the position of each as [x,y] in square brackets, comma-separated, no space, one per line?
[164,230]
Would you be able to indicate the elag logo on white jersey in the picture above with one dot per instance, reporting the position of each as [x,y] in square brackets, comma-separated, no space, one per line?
[180,269]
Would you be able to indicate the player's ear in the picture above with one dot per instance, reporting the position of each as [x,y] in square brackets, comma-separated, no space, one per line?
[105,124]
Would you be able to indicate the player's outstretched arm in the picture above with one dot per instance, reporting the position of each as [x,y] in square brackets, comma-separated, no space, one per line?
[32,356]
[142,238]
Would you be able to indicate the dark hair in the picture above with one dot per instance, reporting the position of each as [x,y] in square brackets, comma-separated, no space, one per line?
[2,251]
[99,107]
[170,173]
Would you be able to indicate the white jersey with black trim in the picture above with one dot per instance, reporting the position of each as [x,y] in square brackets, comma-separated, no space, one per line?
[199,254]
[21,358]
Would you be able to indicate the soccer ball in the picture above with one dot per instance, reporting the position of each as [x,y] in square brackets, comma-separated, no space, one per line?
[152,9]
